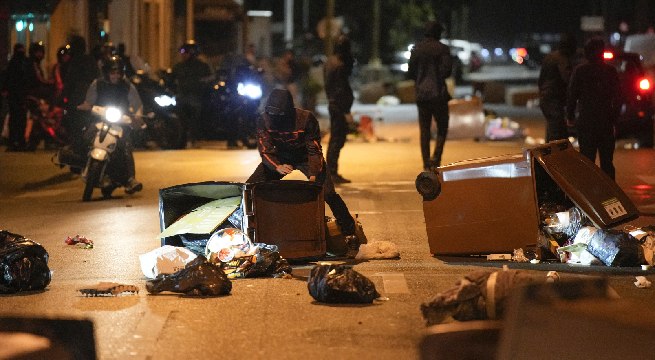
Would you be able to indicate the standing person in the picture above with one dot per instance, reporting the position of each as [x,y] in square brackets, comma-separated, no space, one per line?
[595,89]
[553,81]
[59,71]
[336,71]
[429,66]
[16,88]
[289,139]
[190,76]
[39,86]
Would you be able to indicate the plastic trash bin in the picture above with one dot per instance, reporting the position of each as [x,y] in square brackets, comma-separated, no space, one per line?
[286,213]
[491,205]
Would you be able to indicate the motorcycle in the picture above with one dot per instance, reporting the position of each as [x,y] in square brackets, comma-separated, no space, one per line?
[233,109]
[164,127]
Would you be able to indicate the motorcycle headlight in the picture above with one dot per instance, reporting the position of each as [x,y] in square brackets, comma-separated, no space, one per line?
[113,114]
[252,91]
[165,100]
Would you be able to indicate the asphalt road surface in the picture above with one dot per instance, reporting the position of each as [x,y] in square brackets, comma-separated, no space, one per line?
[263,318]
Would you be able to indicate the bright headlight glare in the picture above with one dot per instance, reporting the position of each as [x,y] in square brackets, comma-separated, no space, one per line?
[113,114]
[250,90]
[165,100]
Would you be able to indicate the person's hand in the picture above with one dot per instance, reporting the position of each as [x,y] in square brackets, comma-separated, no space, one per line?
[312,178]
[284,169]
[570,122]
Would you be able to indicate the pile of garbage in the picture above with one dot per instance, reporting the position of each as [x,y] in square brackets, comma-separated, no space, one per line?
[23,264]
[568,236]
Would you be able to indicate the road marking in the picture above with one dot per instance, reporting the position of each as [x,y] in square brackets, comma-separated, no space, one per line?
[150,326]
[394,283]
[34,194]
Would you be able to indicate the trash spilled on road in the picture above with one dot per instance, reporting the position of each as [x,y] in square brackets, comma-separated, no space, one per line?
[108,289]
[165,260]
[339,284]
[378,250]
[23,264]
[480,295]
[198,278]
[77,239]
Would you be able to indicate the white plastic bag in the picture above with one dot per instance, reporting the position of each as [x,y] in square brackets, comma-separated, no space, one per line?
[378,250]
[167,259]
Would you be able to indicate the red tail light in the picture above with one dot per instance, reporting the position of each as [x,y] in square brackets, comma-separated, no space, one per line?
[644,84]
[608,55]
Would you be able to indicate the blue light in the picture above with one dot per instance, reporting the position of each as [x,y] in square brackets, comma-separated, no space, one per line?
[498,51]
[31,27]
[20,26]
[484,53]
[102,33]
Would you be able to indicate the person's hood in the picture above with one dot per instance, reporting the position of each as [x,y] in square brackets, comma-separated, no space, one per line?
[280,109]
[433,29]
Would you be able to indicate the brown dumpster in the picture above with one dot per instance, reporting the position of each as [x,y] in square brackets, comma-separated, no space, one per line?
[491,205]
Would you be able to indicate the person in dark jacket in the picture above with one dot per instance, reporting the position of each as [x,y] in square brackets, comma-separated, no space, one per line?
[429,66]
[595,89]
[336,71]
[553,80]
[289,139]
[16,88]
[190,76]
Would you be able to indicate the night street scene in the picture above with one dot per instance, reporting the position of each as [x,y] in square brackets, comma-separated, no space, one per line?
[327,179]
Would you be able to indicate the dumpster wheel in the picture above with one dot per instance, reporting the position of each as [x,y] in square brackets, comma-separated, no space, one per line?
[428,185]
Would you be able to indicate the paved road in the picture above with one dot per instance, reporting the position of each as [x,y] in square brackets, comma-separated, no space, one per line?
[262,318]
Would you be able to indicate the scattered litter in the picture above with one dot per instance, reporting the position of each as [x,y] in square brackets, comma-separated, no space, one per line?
[339,284]
[378,250]
[495,257]
[645,267]
[552,276]
[23,263]
[199,277]
[480,295]
[519,256]
[232,250]
[108,289]
[616,248]
[503,129]
[388,100]
[642,282]
[167,259]
[535,261]
[77,239]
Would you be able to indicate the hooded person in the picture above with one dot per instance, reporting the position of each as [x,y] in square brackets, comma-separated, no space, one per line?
[430,64]
[290,139]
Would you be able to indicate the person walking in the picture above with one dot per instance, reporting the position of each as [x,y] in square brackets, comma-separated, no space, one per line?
[553,81]
[336,73]
[190,75]
[429,66]
[289,139]
[595,90]
[16,89]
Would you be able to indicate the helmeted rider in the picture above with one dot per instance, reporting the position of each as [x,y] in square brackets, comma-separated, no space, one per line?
[113,89]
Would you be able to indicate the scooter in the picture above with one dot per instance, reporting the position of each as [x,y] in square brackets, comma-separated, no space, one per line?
[100,170]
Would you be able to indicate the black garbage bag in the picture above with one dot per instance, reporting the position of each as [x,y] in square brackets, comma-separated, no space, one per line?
[23,264]
[339,284]
[199,277]
[266,261]
[616,248]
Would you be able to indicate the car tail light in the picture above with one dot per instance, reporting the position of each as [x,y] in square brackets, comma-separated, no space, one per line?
[644,84]
[608,55]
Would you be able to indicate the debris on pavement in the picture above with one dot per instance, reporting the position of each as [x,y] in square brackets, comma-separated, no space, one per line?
[23,264]
[519,256]
[108,289]
[339,284]
[233,251]
[167,259]
[497,257]
[378,250]
[480,295]
[198,278]
[552,276]
[77,239]
[642,282]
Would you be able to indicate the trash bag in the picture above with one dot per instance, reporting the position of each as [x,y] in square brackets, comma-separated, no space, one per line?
[616,248]
[167,259]
[480,295]
[338,284]
[23,264]
[199,277]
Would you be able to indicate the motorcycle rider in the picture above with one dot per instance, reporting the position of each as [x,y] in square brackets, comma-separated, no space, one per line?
[113,89]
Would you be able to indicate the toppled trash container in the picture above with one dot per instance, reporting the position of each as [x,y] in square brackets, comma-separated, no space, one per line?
[289,214]
[491,205]
[23,264]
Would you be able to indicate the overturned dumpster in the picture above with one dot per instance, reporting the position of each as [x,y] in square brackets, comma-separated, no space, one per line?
[287,213]
[492,205]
